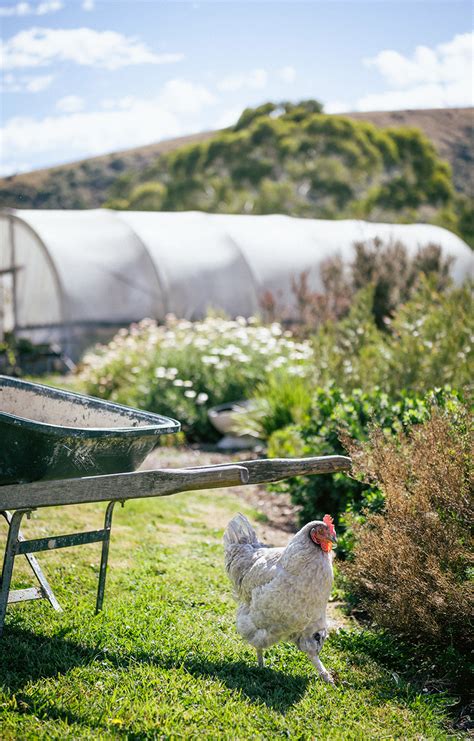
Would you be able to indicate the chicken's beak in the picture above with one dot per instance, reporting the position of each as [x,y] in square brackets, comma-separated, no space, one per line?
[333,539]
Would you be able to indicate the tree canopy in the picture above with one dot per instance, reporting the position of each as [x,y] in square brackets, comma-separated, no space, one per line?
[296,160]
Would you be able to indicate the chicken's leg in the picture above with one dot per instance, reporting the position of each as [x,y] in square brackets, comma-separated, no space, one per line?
[260,658]
[311,645]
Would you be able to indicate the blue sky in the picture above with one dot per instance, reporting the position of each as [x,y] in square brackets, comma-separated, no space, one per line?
[85,77]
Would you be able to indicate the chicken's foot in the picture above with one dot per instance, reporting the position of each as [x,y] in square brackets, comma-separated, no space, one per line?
[311,645]
[260,658]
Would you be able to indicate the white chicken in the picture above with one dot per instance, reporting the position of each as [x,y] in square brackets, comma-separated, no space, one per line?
[282,593]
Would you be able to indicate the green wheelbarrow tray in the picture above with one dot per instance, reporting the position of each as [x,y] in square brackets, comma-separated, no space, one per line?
[47,433]
[59,448]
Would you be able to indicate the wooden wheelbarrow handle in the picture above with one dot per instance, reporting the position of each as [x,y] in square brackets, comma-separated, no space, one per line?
[266,471]
[162,482]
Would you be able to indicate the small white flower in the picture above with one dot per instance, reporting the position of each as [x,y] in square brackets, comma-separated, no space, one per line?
[190,394]
[202,398]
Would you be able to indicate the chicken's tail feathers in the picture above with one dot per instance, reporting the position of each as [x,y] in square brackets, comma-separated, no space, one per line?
[239,531]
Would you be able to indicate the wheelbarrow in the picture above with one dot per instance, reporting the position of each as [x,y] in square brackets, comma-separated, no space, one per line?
[61,448]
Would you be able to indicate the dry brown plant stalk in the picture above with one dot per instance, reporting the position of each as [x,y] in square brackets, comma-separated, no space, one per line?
[412,569]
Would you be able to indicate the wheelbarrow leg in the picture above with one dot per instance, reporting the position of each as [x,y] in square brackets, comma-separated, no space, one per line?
[37,570]
[105,555]
[8,561]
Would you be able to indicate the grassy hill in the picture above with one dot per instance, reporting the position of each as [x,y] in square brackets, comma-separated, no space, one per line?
[84,184]
[287,158]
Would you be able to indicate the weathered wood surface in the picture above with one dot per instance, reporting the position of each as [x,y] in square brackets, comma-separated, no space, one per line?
[268,470]
[163,482]
[119,486]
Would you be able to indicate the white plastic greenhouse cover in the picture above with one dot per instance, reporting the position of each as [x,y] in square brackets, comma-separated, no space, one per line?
[75,276]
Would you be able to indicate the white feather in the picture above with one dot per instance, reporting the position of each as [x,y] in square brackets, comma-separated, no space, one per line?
[282,592]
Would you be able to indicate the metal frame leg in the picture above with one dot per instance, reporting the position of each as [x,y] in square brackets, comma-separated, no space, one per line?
[37,570]
[105,555]
[8,562]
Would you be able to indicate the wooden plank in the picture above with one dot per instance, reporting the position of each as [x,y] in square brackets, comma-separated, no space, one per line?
[161,483]
[23,595]
[119,487]
[268,470]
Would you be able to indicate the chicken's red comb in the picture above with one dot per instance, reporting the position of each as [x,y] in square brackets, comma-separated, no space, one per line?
[327,519]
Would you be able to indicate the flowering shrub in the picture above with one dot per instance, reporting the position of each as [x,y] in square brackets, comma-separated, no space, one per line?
[429,343]
[182,368]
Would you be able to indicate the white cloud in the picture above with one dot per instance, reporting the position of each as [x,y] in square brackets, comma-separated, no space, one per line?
[25,84]
[50,6]
[70,104]
[129,122]
[287,74]
[432,78]
[185,97]
[256,79]
[12,168]
[456,95]
[228,118]
[88,5]
[337,106]
[22,9]
[179,96]
[38,47]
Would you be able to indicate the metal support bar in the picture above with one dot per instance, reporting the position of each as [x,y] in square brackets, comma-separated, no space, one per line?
[23,595]
[37,570]
[18,545]
[8,561]
[60,541]
[105,555]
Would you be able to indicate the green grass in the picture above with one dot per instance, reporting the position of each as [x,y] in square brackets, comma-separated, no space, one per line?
[163,660]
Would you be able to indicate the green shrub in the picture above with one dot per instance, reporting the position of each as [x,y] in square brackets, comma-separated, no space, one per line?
[294,159]
[335,414]
[147,197]
[412,567]
[282,400]
[429,343]
[182,368]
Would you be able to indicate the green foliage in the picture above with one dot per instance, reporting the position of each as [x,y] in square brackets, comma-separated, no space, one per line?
[283,400]
[182,369]
[335,414]
[465,218]
[147,197]
[163,659]
[367,376]
[429,343]
[294,159]
[9,356]
[18,352]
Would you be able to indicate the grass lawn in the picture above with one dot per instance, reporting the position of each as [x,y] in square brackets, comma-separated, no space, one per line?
[163,659]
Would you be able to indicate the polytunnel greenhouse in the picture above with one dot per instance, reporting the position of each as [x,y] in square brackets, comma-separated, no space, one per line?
[73,277]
